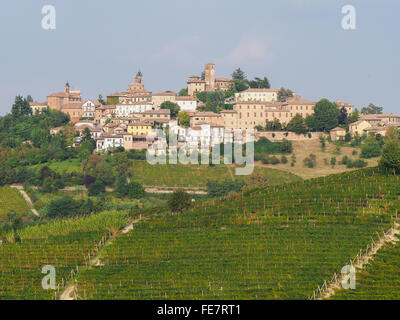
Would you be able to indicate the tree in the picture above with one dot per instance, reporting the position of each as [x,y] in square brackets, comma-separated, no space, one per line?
[259,83]
[171,106]
[239,80]
[297,124]
[390,160]
[85,150]
[121,163]
[372,109]
[20,107]
[183,92]
[179,201]
[353,117]
[135,190]
[325,116]
[184,119]
[342,119]
[101,100]
[284,94]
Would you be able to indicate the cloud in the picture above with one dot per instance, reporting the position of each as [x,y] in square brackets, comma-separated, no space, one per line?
[250,49]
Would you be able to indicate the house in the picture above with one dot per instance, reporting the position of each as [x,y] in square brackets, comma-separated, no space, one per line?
[136,142]
[103,113]
[38,107]
[139,128]
[376,130]
[107,141]
[381,119]
[186,103]
[338,133]
[207,117]
[89,108]
[127,109]
[74,110]
[347,106]
[158,98]
[257,94]
[358,127]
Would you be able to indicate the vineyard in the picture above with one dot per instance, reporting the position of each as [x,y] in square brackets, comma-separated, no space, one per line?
[12,200]
[379,280]
[197,175]
[62,244]
[279,242]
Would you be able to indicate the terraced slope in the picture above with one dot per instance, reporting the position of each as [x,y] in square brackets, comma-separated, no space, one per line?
[62,244]
[280,242]
[12,200]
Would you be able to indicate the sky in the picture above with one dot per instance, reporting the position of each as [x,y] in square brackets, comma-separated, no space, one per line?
[98,46]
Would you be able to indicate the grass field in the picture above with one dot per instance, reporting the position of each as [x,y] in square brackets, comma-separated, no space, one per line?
[279,242]
[302,149]
[12,200]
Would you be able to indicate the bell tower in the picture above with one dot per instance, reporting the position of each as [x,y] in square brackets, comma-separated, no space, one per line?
[209,73]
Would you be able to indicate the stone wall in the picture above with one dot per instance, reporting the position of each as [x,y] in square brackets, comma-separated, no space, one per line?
[280,135]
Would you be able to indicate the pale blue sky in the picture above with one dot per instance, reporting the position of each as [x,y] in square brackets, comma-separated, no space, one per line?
[99,45]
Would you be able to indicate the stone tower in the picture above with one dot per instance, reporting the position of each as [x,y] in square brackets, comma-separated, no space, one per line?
[67,87]
[209,73]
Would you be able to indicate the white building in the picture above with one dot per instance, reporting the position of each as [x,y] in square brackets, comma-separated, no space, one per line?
[38,106]
[107,141]
[186,103]
[89,108]
[126,110]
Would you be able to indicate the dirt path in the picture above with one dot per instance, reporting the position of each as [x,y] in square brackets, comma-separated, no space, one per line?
[69,292]
[389,237]
[27,198]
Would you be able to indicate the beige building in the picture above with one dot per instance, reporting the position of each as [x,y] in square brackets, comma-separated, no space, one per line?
[381,119]
[135,93]
[359,127]
[159,98]
[349,107]
[37,107]
[210,82]
[256,94]
[74,109]
[338,134]
[206,117]
[57,100]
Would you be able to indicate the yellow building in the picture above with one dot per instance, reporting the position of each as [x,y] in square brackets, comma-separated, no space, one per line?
[359,127]
[139,128]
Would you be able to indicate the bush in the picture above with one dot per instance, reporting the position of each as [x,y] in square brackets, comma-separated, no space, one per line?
[333,161]
[371,148]
[135,190]
[357,164]
[310,161]
[284,160]
[221,189]
[345,160]
[274,160]
[179,201]
[96,188]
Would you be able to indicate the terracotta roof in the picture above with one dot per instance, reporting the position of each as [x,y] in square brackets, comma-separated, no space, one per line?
[299,100]
[185,98]
[160,111]
[58,94]
[260,90]
[165,93]
[223,79]
[72,105]
[142,123]
[34,104]
[338,129]
[206,114]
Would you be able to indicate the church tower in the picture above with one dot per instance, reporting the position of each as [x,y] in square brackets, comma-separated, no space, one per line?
[67,88]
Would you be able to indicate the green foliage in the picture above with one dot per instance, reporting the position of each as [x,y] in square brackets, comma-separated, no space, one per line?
[390,160]
[183,92]
[173,107]
[370,148]
[135,190]
[310,161]
[333,162]
[184,119]
[223,188]
[284,94]
[239,80]
[179,201]
[325,116]
[263,145]
[259,83]
[372,109]
[101,100]
[96,188]
[297,124]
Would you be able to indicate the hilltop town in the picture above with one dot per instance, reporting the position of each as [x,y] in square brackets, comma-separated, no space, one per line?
[126,118]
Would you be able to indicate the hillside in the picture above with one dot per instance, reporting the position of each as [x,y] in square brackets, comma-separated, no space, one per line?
[280,242]
[12,200]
